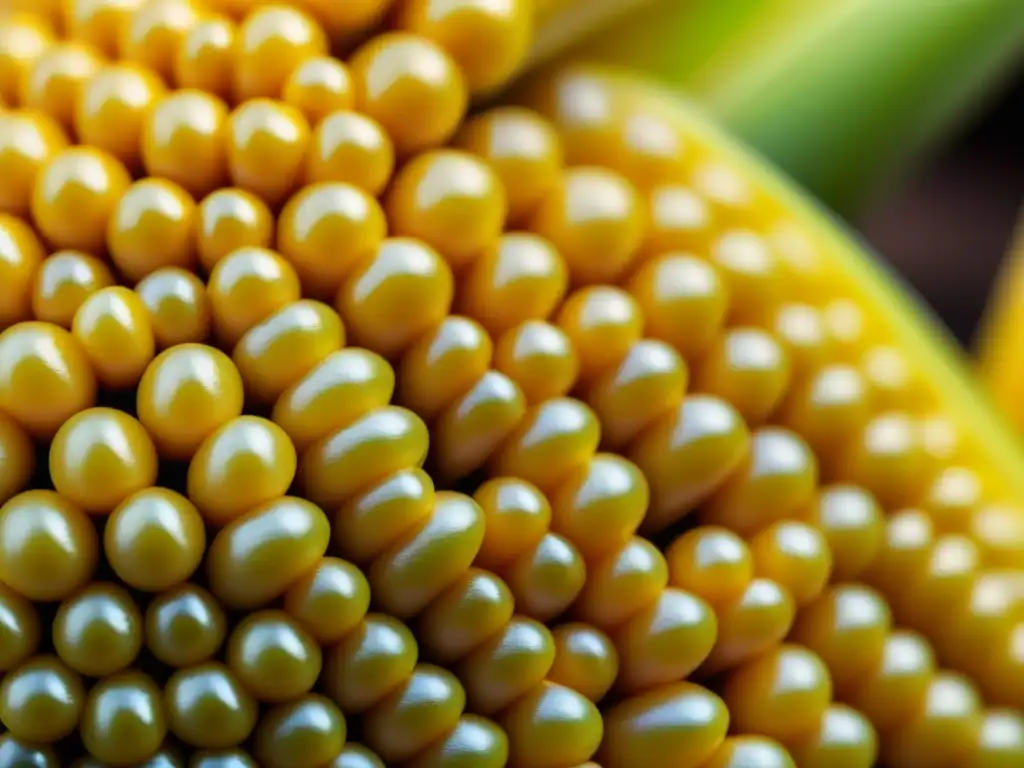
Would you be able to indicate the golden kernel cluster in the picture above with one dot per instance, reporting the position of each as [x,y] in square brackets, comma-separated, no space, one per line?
[343,426]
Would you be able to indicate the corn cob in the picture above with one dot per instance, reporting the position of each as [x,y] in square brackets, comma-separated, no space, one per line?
[373,432]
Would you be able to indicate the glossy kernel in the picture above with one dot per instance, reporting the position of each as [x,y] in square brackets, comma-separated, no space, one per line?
[271,42]
[246,462]
[273,657]
[366,452]
[98,632]
[800,329]
[751,625]
[155,32]
[266,148]
[115,331]
[317,87]
[779,694]
[600,506]
[123,721]
[185,141]
[555,438]
[370,522]
[185,395]
[843,738]
[586,660]
[551,726]
[749,368]
[713,563]
[852,523]
[603,323]
[473,428]
[847,627]
[943,730]
[451,200]
[676,726]
[284,347]
[41,701]
[178,306]
[688,455]
[306,733]
[828,409]
[777,479]
[152,227]
[443,366]
[622,584]
[23,40]
[752,274]
[53,83]
[473,741]
[516,517]
[48,547]
[647,386]
[896,685]
[20,633]
[417,569]
[888,459]
[547,579]
[743,751]
[396,296]
[795,556]
[246,286]
[665,641]
[17,458]
[595,219]
[952,498]
[75,195]
[370,662]
[289,532]
[327,231]
[46,378]
[397,74]
[343,387]
[471,610]
[111,111]
[207,707]
[415,715]
[185,625]
[329,601]
[523,149]
[684,301]
[28,140]
[63,282]
[204,59]
[507,666]
[681,221]
[349,147]
[154,540]
[519,278]
[540,359]
[229,219]
[100,457]
[1001,741]
[487,41]
[357,756]
[26,753]
[21,257]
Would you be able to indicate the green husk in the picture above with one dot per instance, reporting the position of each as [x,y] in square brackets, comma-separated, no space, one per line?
[844,95]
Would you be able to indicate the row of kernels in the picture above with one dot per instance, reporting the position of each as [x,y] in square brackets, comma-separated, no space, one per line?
[185,44]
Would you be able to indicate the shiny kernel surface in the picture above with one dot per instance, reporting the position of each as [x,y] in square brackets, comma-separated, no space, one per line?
[333,413]
[397,74]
